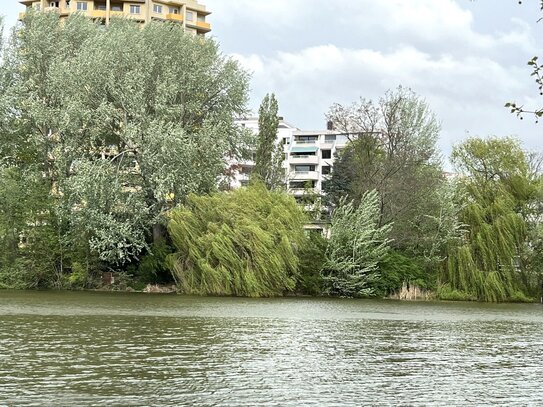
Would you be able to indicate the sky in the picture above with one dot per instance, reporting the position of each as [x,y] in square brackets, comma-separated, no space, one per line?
[465,58]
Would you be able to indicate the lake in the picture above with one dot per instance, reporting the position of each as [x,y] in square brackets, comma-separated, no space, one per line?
[117,349]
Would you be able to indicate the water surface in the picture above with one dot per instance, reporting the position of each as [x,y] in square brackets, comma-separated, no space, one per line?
[102,349]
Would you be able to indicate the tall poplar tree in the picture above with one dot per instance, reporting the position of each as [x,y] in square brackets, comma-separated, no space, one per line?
[269,153]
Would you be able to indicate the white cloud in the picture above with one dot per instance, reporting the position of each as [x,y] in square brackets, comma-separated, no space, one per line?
[313,53]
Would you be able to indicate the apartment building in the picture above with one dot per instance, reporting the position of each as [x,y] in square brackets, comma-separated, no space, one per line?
[310,159]
[189,13]
[309,156]
[241,171]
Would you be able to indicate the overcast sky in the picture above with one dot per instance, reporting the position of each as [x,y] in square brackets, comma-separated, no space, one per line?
[466,58]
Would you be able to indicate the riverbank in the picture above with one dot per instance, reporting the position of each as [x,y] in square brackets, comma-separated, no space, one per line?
[412,294]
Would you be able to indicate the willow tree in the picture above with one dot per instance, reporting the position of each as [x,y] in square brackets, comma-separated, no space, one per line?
[123,123]
[243,243]
[498,192]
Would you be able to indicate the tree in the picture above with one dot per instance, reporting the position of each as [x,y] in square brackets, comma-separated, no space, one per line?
[393,150]
[498,194]
[123,123]
[269,154]
[242,243]
[357,245]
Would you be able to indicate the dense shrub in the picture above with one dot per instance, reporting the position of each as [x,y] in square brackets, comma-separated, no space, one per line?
[312,259]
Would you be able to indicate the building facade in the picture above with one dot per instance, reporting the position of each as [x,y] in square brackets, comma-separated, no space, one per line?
[309,157]
[241,171]
[189,13]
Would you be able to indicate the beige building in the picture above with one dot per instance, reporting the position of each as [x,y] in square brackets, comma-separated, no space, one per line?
[189,13]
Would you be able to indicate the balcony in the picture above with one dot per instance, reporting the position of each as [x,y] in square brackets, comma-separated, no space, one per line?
[303,159]
[201,26]
[304,176]
[178,18]
[302,191]
[102,14]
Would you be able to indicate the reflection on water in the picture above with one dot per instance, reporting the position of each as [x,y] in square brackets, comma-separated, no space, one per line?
[61,348]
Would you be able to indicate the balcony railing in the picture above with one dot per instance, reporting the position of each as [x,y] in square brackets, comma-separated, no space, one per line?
[174,17]
[304,175]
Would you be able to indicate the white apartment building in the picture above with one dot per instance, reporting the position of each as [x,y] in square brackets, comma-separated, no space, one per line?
[309,156]
[241,171]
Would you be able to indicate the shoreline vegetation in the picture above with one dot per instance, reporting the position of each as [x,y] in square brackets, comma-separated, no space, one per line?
[115,151]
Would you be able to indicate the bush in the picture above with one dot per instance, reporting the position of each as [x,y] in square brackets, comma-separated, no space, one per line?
[397,268]
[154,267]
[312,259]
[447,293]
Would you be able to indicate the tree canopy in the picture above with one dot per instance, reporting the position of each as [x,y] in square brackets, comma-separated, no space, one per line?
[122,124]
[499,192]
[242,243]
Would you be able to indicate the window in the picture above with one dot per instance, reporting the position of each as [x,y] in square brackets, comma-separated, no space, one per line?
[201,19]
[190,16]
[100,6]
[116,8]
[306,139]
[157,8]
[330,137]
[174,10]
[82,5]
[304,168]
[326,169]
[326,153]
[54,4]
[134,9]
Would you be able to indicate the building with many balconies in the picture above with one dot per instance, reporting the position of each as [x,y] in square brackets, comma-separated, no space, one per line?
[309,157]
[189,13]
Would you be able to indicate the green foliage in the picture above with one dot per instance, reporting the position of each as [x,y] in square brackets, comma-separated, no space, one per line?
[29,244]
[357,245]
[498,190]
[312,259]
[269,154]
[447,293]
[242,243]
[397,268]
[79,276]
[154,266]
[393,150]
[118,126]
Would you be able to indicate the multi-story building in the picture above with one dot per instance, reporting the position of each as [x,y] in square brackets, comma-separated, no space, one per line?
[310,159]
[309,156]
[189,13]
[242,170]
